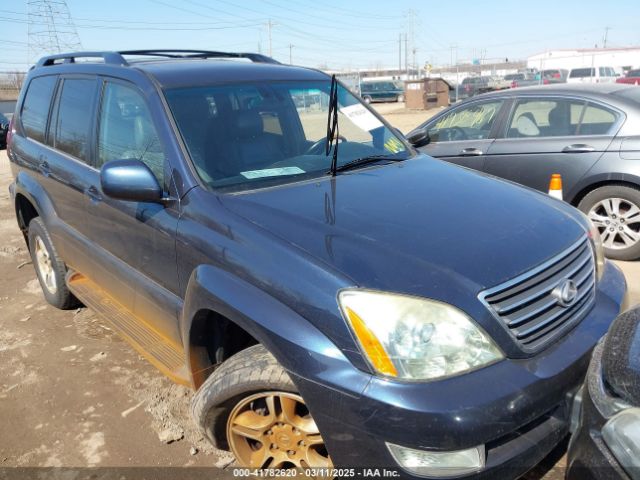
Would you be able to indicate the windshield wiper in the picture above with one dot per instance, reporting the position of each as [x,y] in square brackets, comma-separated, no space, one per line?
[332,126]
[358,162]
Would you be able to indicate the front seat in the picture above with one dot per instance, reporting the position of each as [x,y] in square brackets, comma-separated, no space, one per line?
[255,148]
[559,124]
[526,125]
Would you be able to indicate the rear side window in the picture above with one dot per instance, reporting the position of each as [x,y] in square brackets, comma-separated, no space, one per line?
[545,117]
[582,73]
[126,130]
[551,117]
[35,109]
[74,117]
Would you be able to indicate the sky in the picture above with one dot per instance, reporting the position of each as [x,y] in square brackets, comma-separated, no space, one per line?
[330,33]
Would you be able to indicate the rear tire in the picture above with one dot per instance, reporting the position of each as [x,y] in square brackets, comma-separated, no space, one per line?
[615,211]
[250,406]
[49,267]
[367,99]
[400,98]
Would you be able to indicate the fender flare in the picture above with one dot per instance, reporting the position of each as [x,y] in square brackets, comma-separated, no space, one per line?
[298,346]
[29,188]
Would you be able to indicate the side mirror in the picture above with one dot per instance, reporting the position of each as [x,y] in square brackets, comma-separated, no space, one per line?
[130,180]
[419,138]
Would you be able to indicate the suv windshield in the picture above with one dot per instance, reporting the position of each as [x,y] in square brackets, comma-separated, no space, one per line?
[252,135]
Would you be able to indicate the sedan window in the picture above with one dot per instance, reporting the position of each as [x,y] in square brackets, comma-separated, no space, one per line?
[545,118]
[597,120]
[472,122]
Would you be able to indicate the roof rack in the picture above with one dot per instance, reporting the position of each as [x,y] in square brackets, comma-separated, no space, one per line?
[113,58]
[117,58]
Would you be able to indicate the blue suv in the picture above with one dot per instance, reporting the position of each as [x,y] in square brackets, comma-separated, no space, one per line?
[335,299]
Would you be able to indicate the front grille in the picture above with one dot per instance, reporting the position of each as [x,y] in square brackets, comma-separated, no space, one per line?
[529,310]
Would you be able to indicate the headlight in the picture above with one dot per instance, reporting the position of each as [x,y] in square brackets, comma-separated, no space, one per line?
[596,243]
[622,436]
[414,338]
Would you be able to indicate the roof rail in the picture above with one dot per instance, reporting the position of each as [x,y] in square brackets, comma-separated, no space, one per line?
[109,57]
[117,58]
[172,53]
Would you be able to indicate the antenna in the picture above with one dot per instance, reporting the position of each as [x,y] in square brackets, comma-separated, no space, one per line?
[51,28]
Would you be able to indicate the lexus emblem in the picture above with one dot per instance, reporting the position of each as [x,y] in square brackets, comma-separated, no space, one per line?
[565,292]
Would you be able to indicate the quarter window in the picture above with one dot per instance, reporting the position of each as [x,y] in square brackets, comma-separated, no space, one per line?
[473,122]
[597,120]
[35,109]
[74,117]
[126,130]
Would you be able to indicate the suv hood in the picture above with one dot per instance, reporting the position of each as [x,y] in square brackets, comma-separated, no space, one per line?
[418,226]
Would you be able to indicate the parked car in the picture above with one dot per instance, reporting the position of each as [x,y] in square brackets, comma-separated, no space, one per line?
[471,86]
[366,307]
[4,129]
[606,440]
[523,79]
[554,75]
[592,75]
[632,77]
[588,134]
[377,91]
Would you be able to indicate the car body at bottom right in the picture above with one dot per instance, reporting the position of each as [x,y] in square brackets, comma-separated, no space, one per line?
[590,134]
[606,438]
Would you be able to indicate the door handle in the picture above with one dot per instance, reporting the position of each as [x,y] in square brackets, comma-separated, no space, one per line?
[578,148]
[94,194]
[470,152]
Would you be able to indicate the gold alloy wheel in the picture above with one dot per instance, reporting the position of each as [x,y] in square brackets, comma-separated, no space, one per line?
[275,430]
[45,266]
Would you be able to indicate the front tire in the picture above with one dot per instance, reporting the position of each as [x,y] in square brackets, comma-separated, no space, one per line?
[49,267]
[400,98]
[367,99]
[615,211]
[250,406]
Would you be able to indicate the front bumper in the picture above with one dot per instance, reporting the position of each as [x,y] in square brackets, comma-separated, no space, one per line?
[519,409]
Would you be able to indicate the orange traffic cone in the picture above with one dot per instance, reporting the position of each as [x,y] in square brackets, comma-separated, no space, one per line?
[555,186]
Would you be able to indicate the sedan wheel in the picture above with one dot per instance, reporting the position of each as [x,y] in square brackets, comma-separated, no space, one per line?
[618,221]
[615,212]
[275,430]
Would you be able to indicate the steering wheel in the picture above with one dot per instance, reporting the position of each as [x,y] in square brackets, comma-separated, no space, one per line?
[456,133]
[316,149]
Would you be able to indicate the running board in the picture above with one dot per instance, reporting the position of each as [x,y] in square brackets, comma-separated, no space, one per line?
[146,340]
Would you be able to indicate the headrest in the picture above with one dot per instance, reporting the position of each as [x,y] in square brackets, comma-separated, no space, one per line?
[249,123]
[556,116]
[526,125]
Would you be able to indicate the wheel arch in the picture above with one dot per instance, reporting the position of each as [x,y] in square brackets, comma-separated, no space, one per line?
[30,201]
[215,295]
[603,181]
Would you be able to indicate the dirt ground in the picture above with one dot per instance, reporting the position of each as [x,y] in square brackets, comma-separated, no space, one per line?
[74,395]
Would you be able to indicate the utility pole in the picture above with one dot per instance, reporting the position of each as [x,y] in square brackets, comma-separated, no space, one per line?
[606,34]
[399,53]
[290,54]
[270,24]
[411,20]
[406,56]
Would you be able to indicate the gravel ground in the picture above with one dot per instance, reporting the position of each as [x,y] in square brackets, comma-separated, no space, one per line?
[73,394]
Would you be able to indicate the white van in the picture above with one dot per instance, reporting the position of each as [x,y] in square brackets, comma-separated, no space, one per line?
[592,75]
